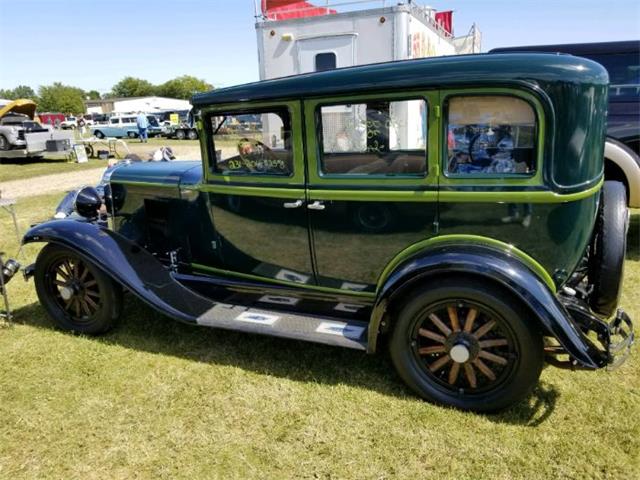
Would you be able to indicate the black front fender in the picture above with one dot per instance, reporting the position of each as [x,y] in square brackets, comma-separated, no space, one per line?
[128,264]
[496,266]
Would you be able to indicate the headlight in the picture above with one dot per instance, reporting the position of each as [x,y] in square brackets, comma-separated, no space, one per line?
[87,202]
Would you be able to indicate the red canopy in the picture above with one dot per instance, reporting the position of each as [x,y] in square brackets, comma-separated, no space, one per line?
[285,9]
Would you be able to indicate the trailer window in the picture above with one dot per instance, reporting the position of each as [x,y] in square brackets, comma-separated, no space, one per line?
[252,143]
[490,135]
[379,137]
[326,61]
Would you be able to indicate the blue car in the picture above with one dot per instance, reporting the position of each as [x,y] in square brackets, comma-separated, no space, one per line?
[120,126]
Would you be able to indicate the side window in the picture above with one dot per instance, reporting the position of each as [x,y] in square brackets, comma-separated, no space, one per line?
[379,137]
[253,143]
[490,135]
[114,121]
[326,61]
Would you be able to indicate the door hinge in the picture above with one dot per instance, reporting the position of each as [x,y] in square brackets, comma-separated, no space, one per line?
[436,227]
[214,245]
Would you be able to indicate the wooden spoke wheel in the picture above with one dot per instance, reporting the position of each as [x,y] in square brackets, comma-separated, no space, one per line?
[465,347]
[467,343]
[77,295]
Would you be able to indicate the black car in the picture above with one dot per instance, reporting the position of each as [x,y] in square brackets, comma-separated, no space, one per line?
[622,61]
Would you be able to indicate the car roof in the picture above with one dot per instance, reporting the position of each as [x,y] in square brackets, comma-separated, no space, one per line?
[480,69]
[628,46]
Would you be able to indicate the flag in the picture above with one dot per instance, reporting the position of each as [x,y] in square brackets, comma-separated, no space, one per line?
[445,20]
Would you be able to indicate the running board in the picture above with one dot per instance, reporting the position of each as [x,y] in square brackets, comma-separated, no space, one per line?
[329,331]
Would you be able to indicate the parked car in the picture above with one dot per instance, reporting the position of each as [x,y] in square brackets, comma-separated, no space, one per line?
[454,207]
[16,120]
[120,126]
[69,123]
[622,148]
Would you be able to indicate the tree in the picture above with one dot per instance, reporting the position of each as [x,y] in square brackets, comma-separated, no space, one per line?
[183,87]
[21,91]
[61,98]
[93,95]
[133,87]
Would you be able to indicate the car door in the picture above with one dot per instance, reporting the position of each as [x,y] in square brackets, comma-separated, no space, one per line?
[372,188]
[255,182]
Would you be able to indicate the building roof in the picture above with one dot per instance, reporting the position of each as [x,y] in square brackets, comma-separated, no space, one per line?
[484,69]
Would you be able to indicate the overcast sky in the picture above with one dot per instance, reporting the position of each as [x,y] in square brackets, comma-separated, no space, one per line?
[94,43]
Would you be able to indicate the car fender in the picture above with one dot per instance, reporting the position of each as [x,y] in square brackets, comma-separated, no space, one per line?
[627,160]
[504,267]
[125,262]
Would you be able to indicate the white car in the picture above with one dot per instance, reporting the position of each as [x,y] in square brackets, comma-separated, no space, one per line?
[69,123]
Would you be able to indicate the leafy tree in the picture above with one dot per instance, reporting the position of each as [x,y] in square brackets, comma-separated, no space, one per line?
[93,95]
[61,98]
[133,87]
[183,87]
[21,91]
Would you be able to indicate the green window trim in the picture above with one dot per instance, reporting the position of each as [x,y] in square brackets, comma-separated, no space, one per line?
[535,178]
[314,153]
[297,179]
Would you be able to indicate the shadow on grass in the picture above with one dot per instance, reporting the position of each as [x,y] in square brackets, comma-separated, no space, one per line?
[143,329]
[633,238]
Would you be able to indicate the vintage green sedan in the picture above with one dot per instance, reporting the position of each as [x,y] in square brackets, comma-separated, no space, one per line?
[452,209]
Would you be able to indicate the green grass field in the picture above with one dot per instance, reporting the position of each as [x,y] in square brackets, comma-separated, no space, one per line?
[27,168]
[158,399]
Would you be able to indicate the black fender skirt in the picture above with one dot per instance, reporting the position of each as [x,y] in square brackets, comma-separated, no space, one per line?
[128,264]
[495,266]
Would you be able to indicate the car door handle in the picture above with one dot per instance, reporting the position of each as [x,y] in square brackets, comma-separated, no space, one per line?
[317,205]
[296,204]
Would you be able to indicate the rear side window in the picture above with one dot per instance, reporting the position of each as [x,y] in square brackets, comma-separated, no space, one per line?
[624,74]
[490,135]
[253,143]
[379,137]
[114,121]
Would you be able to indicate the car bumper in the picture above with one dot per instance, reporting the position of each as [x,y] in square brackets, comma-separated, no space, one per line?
[609,341]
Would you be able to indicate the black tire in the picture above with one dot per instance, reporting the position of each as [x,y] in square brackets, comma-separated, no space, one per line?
[95,300]
[518,346]
[192,135]
[608,249]
[99,134]
[132,135]
[4,143]
[89,151]
[180,135]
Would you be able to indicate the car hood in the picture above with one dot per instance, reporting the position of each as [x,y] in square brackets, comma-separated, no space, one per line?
[176,173]
[23,106]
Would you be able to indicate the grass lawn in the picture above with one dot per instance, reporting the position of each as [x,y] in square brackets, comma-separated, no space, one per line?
[27,168]
[158,399]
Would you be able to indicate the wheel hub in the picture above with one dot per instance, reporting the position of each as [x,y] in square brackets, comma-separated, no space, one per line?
[459,353]
[66,292]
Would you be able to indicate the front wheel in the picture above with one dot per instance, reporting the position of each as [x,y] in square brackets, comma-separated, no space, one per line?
[4,143]
[76,294]
[99,134]
[467,344]
[180,135]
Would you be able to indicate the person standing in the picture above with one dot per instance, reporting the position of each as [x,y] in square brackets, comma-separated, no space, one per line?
[143,125]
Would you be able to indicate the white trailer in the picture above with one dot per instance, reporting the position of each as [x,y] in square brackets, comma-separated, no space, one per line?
[333,34]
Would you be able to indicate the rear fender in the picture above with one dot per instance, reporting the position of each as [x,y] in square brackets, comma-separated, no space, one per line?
[125,262]
[492,264]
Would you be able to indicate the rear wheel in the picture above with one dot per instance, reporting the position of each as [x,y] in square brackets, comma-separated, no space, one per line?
[467,344]
[76,294]
[193,135]
[99,134]
[180,135]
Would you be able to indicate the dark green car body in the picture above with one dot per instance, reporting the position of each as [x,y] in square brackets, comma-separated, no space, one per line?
[342,227]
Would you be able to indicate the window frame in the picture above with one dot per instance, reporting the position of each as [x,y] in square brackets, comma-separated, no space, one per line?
[315,139]
[296,178]
[524,179]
